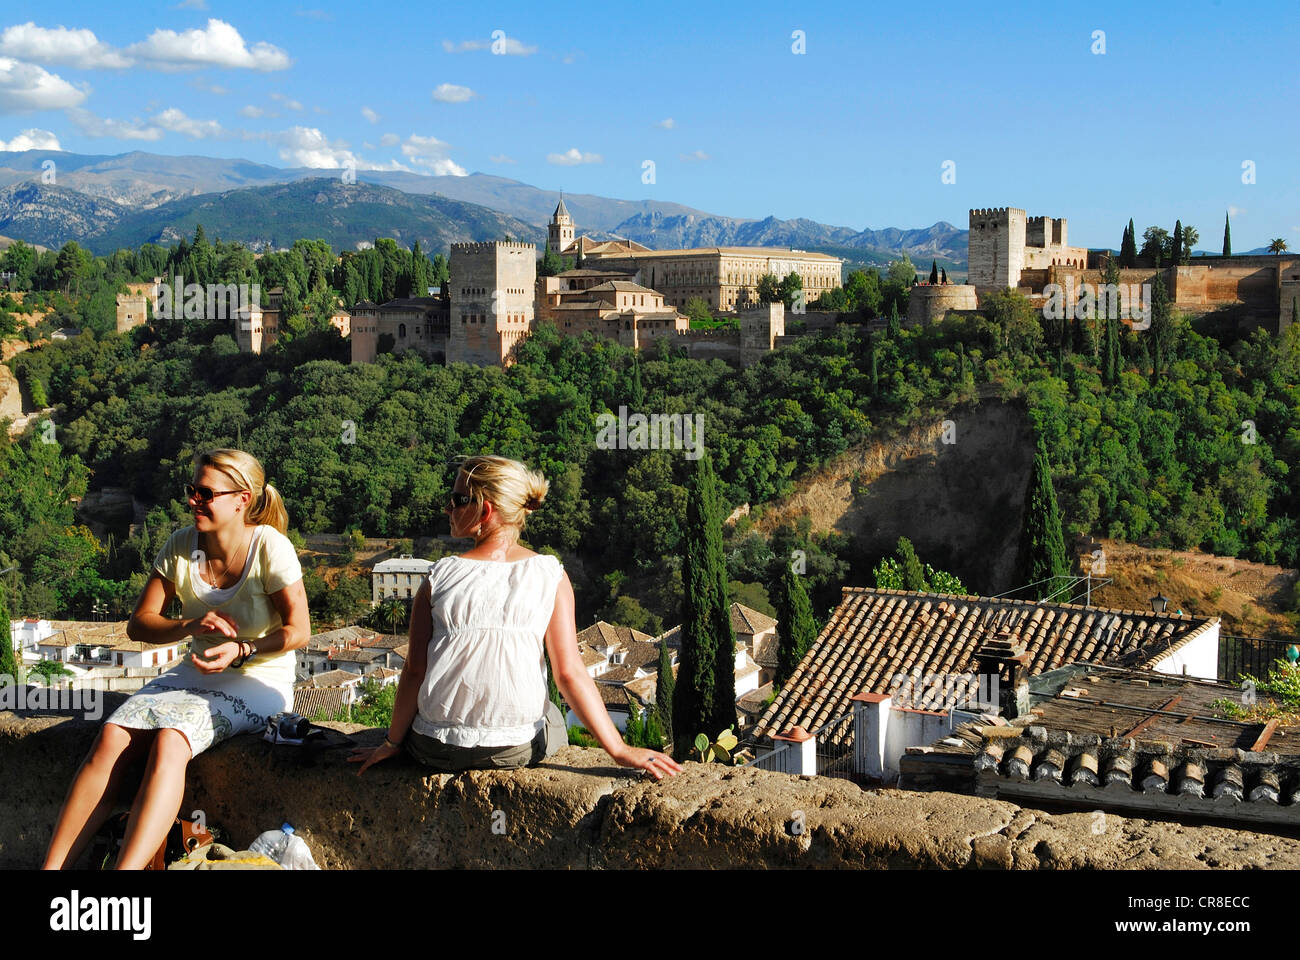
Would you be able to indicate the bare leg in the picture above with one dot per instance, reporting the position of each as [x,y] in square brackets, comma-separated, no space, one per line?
[92,794]
[158,801]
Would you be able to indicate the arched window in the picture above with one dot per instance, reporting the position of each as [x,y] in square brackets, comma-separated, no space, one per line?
[401,330]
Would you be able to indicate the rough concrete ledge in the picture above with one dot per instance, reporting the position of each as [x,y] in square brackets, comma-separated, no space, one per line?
[580,811]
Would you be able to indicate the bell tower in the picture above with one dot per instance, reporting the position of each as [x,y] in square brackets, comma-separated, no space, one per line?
[560,230]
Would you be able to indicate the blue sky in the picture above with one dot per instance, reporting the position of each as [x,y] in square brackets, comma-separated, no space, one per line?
[855,131]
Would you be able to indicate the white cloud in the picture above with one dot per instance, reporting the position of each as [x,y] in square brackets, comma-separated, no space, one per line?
[317,108]
[451,93]
[431,153]
[370,114]
[289,102]
[308,147]
[93,126]
[32,139]
[80,48]
[1234,211]
[25,86]
[515,48]
[217,44]
[390,140]
[252,111]
[500,158]
[667,123]
[507,46]
[177,122]
[693,157]
[191,5]
[572,157]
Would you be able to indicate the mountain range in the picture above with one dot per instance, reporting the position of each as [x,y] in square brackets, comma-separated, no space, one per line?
[106,202]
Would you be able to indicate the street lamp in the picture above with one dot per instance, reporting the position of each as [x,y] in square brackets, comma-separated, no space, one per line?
[1159,602]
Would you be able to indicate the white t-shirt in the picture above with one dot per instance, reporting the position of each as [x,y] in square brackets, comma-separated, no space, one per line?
[485,685]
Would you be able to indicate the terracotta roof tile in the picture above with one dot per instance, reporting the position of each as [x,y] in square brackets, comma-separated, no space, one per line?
[875,635]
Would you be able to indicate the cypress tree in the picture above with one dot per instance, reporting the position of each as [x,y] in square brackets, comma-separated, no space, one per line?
[961,362]
[909,565]
[1176,254]
[419,279]
[8,662]
[943,275]
[797,627]
[895,324]
[1161,329]
[637,397]
[634,732]
[1129,251]
[705,695]
[875,377]
[1110,367]
[934,272]
[1227,237]
[664,690]
[1042,546]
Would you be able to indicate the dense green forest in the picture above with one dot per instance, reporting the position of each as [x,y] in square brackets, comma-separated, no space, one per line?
[1199,452]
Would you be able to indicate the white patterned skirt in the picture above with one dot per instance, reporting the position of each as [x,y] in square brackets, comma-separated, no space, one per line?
[206,707]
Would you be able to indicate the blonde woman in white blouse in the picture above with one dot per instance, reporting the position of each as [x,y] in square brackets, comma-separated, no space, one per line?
[472,694]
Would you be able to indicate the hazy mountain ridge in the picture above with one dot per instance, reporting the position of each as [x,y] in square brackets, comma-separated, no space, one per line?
[109,199]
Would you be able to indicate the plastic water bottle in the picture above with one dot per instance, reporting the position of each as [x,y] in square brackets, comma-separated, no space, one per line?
[285,848]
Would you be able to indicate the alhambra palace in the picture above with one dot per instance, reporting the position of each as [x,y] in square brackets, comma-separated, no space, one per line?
[632,294]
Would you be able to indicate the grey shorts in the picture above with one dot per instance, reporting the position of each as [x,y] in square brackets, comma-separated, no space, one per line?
[432,752]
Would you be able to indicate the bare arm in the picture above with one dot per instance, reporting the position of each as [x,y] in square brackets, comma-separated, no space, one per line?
[413,670]
[295,619]
[581,693]
[147,623]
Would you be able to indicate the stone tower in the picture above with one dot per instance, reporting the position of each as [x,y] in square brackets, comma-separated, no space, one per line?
[997,247]
[492,287]
[560,230]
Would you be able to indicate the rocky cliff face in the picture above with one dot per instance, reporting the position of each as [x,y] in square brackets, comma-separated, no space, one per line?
[11,400]
[578,810]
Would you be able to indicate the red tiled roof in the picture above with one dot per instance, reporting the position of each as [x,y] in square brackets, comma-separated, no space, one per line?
[875,635]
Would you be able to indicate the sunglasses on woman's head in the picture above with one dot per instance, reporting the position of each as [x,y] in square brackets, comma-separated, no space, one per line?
[204,494]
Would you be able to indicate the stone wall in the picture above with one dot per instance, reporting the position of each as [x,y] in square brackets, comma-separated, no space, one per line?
[929,304]
[580,811]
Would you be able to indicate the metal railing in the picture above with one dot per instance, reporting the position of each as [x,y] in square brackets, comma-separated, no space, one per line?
[835,747]
[770,761]
[1253,655]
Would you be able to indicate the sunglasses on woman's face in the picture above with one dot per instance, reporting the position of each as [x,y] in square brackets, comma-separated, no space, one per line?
[204,494]
[455,499]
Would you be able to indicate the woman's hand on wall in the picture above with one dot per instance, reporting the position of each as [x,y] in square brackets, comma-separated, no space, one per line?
[369,756]
[659,765]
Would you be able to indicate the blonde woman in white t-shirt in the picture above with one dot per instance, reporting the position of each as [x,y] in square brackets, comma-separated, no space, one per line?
[244,611]
[472,694]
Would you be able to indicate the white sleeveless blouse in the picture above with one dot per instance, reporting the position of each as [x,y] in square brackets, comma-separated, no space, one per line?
[486,680]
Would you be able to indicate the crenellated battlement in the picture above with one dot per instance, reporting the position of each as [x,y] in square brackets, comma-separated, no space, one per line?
[995,212]
[489,246]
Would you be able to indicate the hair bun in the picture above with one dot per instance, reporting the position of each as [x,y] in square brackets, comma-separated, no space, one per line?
[533,502]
